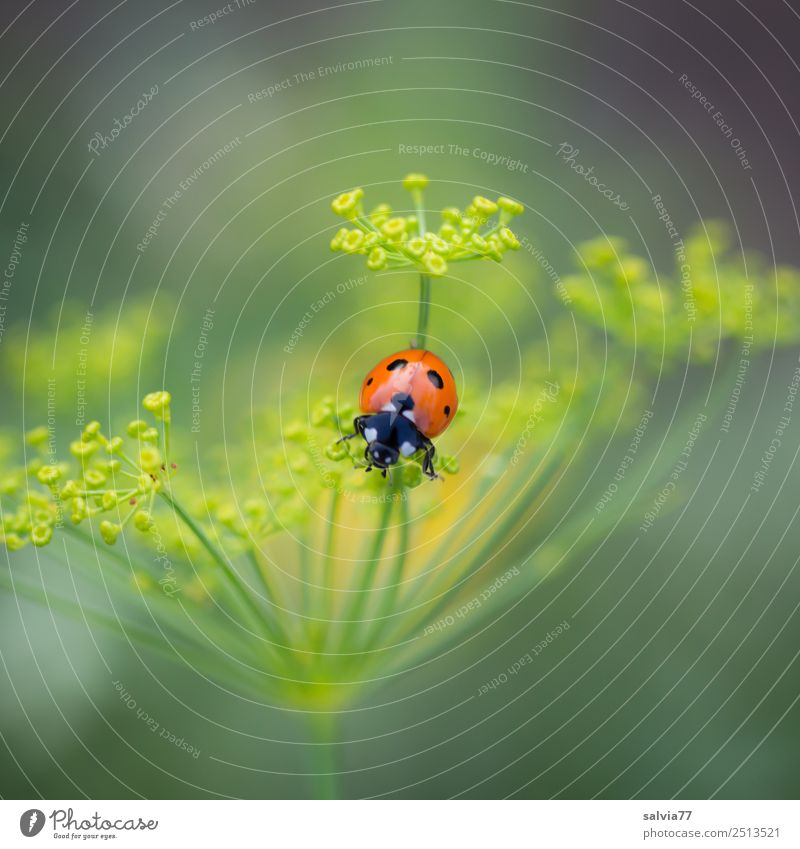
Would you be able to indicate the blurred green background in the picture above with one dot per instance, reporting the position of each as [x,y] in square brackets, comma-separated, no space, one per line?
[678,675]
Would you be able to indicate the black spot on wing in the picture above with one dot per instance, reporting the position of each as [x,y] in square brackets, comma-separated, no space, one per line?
[436,379]
[395,364]
[369,382]
[447,409]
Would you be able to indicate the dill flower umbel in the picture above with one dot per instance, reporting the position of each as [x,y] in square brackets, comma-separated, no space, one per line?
[283,572]
[396,241]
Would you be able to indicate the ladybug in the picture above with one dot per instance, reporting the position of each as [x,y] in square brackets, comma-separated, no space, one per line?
[406,399]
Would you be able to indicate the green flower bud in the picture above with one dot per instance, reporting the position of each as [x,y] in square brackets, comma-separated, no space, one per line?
[337,451]
[81,449]
[411,475]
[483,206]
[452,214]
[438,244]
[377,259]
[109,532]
[110,467]
[478,243]
[144,483]
[48,474]
[109,500]
[336,241]
[41,534]
[136,428]
[322,413]
[380,214]
[347,203]
[632,270]
[94,478]
[10,484]
[150,458]
[13,542]
[69,490]
[91,430]
[158,404]
[37,436]
[79,510]
[42,516]
[415,182]
[143,521]
[511,207]
[417,247]
[394,228]
[495,248]
[114,445]
[434,264]
[151,434]
[38,499]
[352,242]
[345,413]
[448,463]
[509,239]
[295,432]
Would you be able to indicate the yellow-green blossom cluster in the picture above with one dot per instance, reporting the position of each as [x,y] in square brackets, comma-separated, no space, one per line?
[112,479]
[392,239]
[715,292]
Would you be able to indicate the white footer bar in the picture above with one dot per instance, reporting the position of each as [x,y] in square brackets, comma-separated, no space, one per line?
[390,824]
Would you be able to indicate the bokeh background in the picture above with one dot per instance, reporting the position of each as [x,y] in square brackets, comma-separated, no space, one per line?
[678,675]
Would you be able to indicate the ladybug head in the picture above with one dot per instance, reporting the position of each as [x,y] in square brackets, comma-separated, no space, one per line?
[380,455]
[401,401]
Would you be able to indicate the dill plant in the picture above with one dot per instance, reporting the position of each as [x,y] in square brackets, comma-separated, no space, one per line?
[313,582]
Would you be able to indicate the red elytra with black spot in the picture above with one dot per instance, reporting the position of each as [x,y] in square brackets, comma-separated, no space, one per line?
[423,376]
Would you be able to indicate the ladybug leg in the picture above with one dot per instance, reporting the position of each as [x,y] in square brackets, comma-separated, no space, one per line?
[358,429]
[427,459]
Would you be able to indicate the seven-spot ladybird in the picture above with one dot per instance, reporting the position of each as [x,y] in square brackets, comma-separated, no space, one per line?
[407,398]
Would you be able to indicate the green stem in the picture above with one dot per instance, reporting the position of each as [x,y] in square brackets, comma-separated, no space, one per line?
[424,279]
[326,569]
[233,579]
[392,590]
[421,338]
[304,579]
[323,727]
[271,595]
[419,207]
[353,614]
[440,591]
